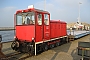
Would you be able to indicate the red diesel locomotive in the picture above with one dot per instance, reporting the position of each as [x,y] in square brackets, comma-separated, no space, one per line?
[35,32]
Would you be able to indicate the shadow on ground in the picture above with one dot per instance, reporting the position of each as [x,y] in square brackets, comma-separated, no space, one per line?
[62,48]
[65,51]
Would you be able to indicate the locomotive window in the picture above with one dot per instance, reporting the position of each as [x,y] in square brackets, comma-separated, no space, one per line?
[25,18]
[19,20]
[46,19]
[39,16]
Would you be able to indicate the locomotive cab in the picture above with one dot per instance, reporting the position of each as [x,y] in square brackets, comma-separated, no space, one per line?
[25,26]
[31,27]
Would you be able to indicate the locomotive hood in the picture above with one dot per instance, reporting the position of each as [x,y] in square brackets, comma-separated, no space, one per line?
[25,33]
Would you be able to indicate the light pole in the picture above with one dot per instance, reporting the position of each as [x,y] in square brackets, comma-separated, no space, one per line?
[44,4]
[79,13]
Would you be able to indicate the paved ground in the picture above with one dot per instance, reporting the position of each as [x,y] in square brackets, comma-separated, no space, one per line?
[64,52]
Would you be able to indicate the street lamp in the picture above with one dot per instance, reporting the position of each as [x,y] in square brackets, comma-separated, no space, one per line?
[44,4]
[79,13]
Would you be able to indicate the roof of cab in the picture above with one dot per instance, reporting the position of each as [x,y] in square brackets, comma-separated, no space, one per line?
[31,9]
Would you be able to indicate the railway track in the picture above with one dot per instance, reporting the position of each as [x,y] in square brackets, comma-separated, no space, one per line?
[23,58]
[11,56]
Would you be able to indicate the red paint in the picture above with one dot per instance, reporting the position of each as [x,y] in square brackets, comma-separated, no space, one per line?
[31,9]
[39,33]
[55,29]
[58,28]
[25,32]
[46,32]
[63,28]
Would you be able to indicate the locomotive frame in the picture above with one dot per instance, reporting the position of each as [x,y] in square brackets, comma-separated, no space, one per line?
[39,36]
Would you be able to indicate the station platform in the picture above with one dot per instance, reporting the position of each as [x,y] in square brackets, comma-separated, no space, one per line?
[78,34]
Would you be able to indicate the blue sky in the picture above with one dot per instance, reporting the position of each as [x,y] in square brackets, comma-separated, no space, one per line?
[66,10]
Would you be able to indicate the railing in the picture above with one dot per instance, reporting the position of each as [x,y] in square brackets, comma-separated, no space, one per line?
[84,49]
[6,28]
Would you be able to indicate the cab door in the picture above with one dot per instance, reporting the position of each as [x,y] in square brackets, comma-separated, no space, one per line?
[46,27]
[39,28]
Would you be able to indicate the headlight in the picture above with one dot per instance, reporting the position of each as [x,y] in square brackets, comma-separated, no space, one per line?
[14,37]
[32,38]
[22,11]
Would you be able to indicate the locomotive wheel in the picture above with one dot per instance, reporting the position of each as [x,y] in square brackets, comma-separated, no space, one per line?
[23,48]
[52,46]
[57,44]
[14,45]
[30,49]
[45,47]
